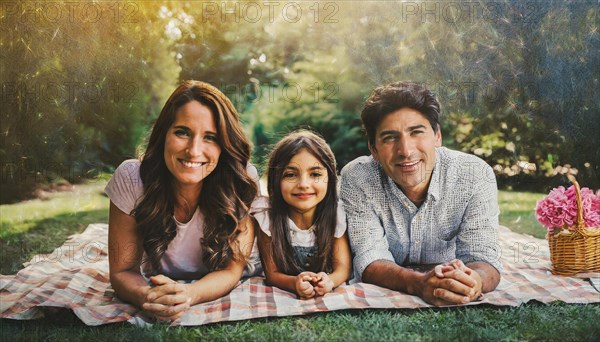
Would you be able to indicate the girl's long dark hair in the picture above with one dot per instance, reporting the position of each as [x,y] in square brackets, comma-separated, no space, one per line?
[227,191]
[326,211]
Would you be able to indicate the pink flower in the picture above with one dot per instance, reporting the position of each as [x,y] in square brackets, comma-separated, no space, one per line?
[591,209]
[559,208]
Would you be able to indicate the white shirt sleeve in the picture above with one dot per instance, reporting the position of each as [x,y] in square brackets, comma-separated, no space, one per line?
[260,210]
[341,224]
[125,187]
[253,173]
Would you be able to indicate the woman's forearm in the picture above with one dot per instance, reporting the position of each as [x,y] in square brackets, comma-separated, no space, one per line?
[130,287]
[214,285]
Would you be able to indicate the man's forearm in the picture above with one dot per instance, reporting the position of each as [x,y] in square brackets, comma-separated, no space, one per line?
[490,277]
[388,274]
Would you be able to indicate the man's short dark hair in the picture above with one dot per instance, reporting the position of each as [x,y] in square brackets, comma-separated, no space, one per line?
[389,98]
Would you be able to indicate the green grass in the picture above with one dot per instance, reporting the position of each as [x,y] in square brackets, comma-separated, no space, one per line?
[554,322]
[517,212]
[38,227]
[35,227]
[19,218]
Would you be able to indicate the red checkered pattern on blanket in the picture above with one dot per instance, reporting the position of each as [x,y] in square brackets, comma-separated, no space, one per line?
[75,276]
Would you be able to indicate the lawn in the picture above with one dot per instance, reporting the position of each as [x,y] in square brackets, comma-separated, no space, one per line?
[516,212]
[34,227]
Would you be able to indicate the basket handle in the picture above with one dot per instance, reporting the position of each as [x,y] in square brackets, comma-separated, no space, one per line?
[580,224]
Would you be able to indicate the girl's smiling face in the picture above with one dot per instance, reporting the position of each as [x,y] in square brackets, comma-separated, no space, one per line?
[304,184]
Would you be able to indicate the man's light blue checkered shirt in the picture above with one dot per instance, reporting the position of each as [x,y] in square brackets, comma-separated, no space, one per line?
[459,218]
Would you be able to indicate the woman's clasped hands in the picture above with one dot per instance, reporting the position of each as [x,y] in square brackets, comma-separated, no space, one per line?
[167,299]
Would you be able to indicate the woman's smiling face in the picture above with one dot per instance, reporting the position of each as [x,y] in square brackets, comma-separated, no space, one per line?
[192,149]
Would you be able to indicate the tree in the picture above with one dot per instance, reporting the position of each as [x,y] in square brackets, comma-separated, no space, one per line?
[88,83]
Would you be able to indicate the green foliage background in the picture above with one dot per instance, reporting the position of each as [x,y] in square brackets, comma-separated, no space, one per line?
[518,81]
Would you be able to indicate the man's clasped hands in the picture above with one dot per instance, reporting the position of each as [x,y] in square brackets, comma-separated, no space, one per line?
[451,283]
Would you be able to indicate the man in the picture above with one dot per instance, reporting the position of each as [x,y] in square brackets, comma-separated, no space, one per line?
[414,204]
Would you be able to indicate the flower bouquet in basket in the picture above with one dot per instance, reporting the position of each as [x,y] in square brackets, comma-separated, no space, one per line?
[572,217]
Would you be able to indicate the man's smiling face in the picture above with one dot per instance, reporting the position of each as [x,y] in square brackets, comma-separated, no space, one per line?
[405,146]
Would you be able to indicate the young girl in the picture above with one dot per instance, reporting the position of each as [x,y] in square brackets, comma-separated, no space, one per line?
[302,237]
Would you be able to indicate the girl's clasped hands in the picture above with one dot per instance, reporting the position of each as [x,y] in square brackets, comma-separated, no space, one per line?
[310,284]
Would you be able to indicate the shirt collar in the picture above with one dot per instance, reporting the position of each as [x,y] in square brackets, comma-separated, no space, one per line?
[294,227]
[397,192]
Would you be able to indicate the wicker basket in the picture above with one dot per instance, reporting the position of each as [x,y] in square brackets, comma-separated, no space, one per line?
[575,251]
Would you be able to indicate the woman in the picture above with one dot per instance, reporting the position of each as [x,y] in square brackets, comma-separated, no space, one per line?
[181,213]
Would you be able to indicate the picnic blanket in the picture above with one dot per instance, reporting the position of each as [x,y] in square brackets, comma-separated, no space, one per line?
[75,276]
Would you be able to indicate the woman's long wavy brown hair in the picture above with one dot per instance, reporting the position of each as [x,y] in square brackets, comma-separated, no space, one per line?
[326,213]
[227,191]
